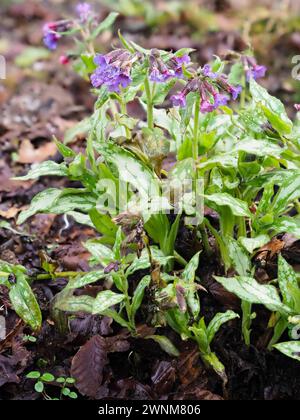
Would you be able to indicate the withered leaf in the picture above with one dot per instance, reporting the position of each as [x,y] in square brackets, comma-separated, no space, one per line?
[88,365]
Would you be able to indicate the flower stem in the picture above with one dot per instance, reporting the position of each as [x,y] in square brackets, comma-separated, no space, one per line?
[56,275]
[149,104]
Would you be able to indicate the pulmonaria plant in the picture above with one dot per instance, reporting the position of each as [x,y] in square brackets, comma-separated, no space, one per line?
[244,159]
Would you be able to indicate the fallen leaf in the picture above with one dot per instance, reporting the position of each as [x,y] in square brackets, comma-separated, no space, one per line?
[88,365]
[28,154]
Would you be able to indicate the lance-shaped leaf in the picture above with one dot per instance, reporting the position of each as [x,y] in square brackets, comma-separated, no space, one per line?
[25,303]
[189,272]
[289,192]
[58,201]
[247,288]
[41,202]
[86,279]
[105,300]
[237,206]
[258,147]
[75,304]
[250,244]
[239,257]
[132,171]
[287,225]
[290,349]
[143,262]
[216,323]
[165,344]
[45,169]
[101,253]
[287,280]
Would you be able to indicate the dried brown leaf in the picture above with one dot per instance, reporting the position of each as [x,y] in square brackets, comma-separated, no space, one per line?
[88,365]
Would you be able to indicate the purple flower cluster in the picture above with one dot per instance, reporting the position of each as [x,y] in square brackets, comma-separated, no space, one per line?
[213,88]
[84,12]
[253,70]
[113,70]
[50,36]
[161,72]
[52,32]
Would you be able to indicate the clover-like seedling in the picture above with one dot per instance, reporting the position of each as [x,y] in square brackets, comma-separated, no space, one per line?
[42,379]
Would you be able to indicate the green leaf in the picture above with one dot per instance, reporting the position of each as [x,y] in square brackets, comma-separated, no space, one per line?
[58,201]
[290,349]
[116,317]
[287,225]
[33,375]
[82,219]
[165,344]
[48,168]
[258,147]
[251,244]
[31,55]
[239,258]
[79,129]
[25,303]
[143,262]
[287,280]
[117,245]
[64,150]
[105,300]
[139,295]
[130,168]
[86,279]
[237,206]
[272,107]
[288,192]
[217,321]
[161,91]
[103,223]
[39,387]
[178,321]
[248,289]
[76,304]
[168,244]
[101,253]
[73,395]
[189,272]
[105,24]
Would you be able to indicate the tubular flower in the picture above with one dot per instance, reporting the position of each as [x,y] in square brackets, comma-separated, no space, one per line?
[179,99]
[214,90]
[253,70]
[52,31]
[113,70]
[207,72]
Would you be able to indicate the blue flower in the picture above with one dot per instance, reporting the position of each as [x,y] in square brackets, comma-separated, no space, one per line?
[256,72]
[113,71]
